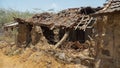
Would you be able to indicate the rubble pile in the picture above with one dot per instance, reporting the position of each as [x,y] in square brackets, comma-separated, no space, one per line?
[37,53]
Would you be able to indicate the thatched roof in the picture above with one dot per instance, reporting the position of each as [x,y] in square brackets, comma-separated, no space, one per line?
[69,18]
[112,6]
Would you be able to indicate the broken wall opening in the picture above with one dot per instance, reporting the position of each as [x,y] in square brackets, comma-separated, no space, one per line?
[75,35]
[49,34]
[76,39]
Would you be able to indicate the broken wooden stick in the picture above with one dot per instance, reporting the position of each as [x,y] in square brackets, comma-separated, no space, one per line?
[63,39]
[90,37]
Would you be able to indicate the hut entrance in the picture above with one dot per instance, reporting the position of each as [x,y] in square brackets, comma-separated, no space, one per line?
[49,34]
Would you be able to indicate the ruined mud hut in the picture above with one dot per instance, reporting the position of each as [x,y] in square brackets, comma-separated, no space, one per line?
[108,35]
[70,25]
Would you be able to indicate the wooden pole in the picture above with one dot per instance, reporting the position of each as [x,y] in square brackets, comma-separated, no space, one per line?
[63,39]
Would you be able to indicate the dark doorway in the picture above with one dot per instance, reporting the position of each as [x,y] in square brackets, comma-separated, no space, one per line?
[75,35]
[49,35]
[80,35]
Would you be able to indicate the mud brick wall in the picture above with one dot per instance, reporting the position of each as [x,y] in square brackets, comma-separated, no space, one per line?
[109,55]
[23,37]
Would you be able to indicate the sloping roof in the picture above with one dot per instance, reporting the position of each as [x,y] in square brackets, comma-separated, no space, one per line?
[76,17]
[37,19]
[110,7]
[69,18]
[114,6]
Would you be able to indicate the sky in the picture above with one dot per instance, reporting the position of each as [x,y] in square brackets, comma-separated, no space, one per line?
[45,5]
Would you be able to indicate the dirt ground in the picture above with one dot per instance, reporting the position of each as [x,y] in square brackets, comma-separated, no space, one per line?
[34,60]
[43,57]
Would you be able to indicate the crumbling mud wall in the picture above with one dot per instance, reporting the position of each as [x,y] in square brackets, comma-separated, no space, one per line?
[36,34]
[29,34]
[114,38]
[108,43]
[24,35]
